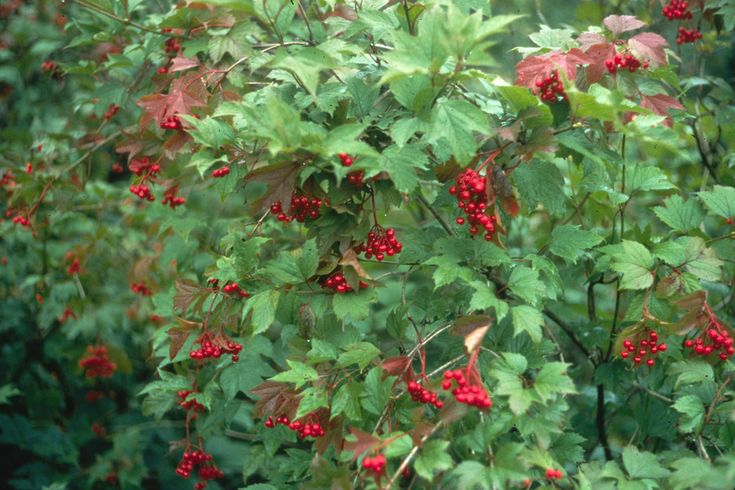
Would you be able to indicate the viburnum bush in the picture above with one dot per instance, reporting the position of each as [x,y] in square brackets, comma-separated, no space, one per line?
[379,244]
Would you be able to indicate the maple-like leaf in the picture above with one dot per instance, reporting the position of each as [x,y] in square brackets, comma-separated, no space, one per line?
[473,328]
[280,180]
[185,93]
[396,366]
[535,68]
[660,104]
[649,46]
[182,63]
[177,339]
[363,443]
[186,293]
[588,39]
[275,399]
[597,54]
[349,258]
[618,24]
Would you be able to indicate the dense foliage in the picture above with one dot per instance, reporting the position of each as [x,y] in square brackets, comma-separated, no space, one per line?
[367,244]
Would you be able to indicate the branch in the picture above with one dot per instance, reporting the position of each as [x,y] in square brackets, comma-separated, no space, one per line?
[110,15]
[410,456]
[567,329]
[436,215]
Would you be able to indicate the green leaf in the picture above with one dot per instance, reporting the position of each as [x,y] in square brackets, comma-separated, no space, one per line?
[7,391]
[352,305]
[376,391]
[321,351]
[553,380]
[720,200]
[634,262]
[680,215]
[263,307]
[210,132]
[646,178]
[305,65]
[524,283]
[432,458]
[246,254]
[568,242]
[455,121]
[402,165]
[448,270]
[245,374]
[346,401]
[485,298]
[692,372]
[400,446]
[527,319]
[361,353]
[299,374]
[642,464]
[700,260]
[692,410]
[311,399]
[540,182]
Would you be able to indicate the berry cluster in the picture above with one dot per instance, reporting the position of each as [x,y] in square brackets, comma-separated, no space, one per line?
[380,242]
[550,88]
[141,289]
[170,198]
[472,198]
[355,178]
[552,474]
[172,122]
[214,347]
[189,404]
[688,35]
[346,159]
[677,10]
[96,363]
[220,172]
[74,267]
[374,464]
[8,180]
[49,66]
[144,168]
[715,340]
[642,345]
[22,221]
[234,288]
[142,191]
[423,395]
[29,168]
[67,313]
[172,45]
[338,283]
[111,111]
[473,395]
[625,62]
[207,469]
[302,207]
[304,429]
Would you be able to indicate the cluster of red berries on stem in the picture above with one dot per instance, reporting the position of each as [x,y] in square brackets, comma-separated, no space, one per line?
[207,469]
[22,221]
[424,395]
[302,207]
[96,362]
[234,288]
[346,159]
[643,347]
[625,62]
[685,35]
[211,346]
[338,283]
[303,428]
[356,178]
[143,167]
[172,122]
[472,198]
[74,267]
[49,66]
[380,242]
[172,45]
[189,404]
[220,172]
[677,10]
[552,474]
[470,392]
[374,464]
[713,340]
[551,88]
[140,288]
[171,198]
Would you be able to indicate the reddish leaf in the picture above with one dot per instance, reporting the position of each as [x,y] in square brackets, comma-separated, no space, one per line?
[185,93]
[186,293]
[535,68]
[622,23]
[275,399]
[280,180]
[649,46]
[181,63]
[588,39]
[597,55]
[396,366]
[177,337]
[473,328]
[349,258]
[174,143]
[510,206]
[660,104]
[363,443]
